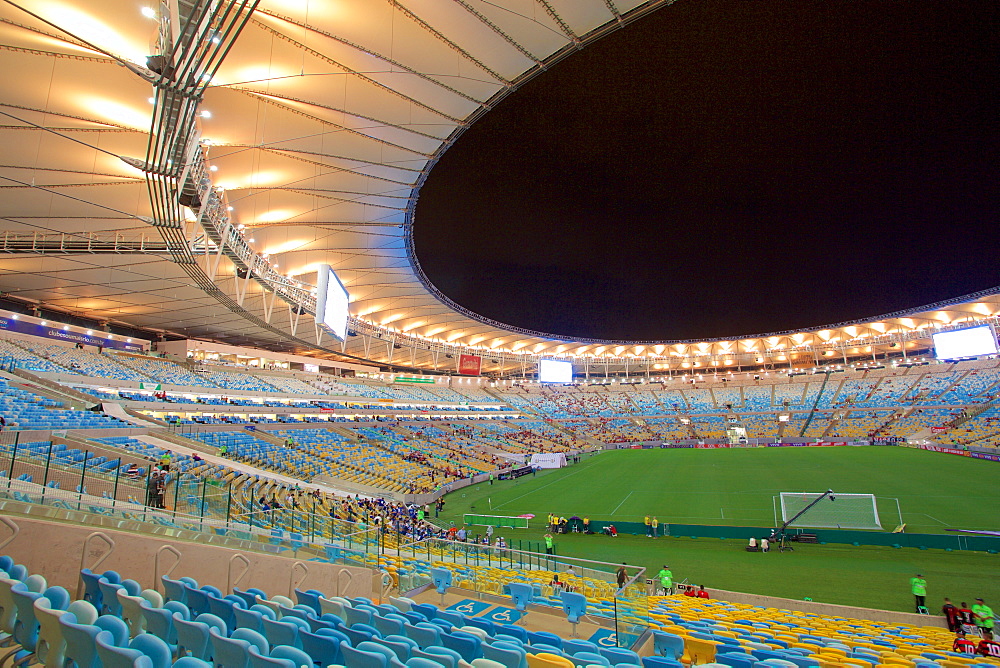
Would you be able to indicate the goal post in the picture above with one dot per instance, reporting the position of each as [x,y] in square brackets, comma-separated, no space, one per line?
[836,511]
[499,521]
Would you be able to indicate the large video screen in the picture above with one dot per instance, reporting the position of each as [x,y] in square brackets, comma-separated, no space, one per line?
[332,302]
[969,342]
[555,371]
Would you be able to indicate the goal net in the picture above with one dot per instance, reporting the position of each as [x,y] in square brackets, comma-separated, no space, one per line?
[838,511]
[497,521]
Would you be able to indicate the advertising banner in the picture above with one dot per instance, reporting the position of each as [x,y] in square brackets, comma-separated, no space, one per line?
[469,365]
[25,327]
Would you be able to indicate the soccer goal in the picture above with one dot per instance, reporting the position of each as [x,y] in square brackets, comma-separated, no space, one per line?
[497,521]
[836,511]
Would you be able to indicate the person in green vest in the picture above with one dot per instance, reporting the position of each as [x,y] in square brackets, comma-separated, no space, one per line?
[982,614]
[491,478]
[666,580]
[918,585]
[548,543]
[420,515]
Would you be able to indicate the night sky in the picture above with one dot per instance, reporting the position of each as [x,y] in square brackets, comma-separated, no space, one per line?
[726,167]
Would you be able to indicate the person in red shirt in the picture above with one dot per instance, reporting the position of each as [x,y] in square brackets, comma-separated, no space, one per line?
[963,645]
[950,613]
[988,646]
[690,592]
[966,618]
[701,592]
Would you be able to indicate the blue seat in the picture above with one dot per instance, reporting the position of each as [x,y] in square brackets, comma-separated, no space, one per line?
[229,652]
[196,599]
[484,624]
[377,647]
[281,633]
[249,596]
[441,577]
[355,658]
[466,644]
[509,654]
[668,645]
[660,662]
[91,590]
[735,660]
[358,616]
[424,634]
[456,619]
[575,607]
[618,655]
[403,647]
[153,647]
[545,638]
[324,649]
[521,595]
[572,646]
[253,637]
[293,654]
[258,660]
[588,659]
[113,656]
[80,647]
[109,596]
[173,590]
[223,609]
[248,619]
[426,609]
[446,657]
[516,631]
[356,636]
[310,599]
[193,636]
[390,624]
[421,662]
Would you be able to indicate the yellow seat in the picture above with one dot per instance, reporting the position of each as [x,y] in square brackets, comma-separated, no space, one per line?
[546,660]
[698,651]
[828,661]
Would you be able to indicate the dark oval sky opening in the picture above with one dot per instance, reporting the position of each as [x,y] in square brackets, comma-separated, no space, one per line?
[722,168]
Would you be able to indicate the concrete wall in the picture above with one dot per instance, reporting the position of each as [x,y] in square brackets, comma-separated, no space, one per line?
[59,550]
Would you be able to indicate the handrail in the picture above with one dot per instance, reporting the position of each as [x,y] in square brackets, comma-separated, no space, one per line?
[230,582]
[15,529]
[157,575]
[350,579]
[100,560]
[291,578]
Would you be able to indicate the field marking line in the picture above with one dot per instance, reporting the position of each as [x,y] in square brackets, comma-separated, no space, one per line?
[558,479]
[623,501]
[722,512]
[935,519]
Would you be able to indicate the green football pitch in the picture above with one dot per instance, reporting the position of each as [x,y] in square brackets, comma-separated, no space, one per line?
[736,487]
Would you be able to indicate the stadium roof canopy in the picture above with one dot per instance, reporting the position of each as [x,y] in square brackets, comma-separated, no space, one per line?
[197,191]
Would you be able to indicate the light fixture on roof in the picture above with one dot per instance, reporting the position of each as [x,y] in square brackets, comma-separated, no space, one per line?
[213,168]
[148,12]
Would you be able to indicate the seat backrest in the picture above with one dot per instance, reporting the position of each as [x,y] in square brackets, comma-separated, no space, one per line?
[155,648]
[355,658]
[112,656]
[668,644]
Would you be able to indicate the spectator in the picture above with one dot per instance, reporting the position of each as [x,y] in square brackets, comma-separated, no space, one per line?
[548,543]
[765,545]
[950,613]
[963,645]
[666,580]
[988,646]
[918,585]
[966,618]
[983,617]
[701,592]
[622,575]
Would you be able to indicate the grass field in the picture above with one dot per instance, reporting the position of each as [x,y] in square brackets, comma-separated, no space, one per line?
[735,487]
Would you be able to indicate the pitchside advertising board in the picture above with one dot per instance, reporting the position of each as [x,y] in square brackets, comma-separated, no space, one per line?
[34,329]
[469,365]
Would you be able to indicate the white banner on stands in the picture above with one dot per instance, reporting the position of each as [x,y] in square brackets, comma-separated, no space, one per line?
[549,460]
